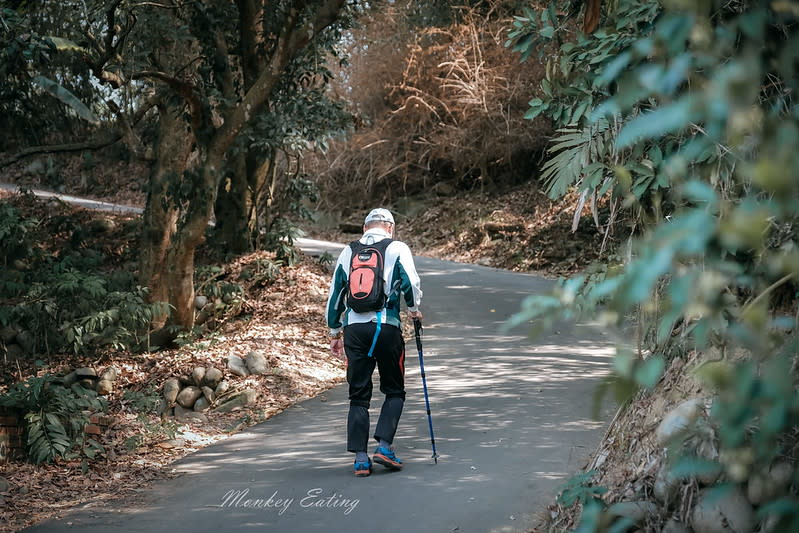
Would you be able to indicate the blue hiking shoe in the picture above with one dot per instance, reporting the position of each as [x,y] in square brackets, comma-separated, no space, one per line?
[363,468]
[387,458]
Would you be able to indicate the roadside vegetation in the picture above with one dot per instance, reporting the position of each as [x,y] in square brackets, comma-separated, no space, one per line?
[684,117]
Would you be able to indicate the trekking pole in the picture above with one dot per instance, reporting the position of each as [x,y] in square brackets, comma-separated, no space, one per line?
[417,327]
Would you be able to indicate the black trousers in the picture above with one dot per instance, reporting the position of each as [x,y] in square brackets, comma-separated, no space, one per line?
[389,356]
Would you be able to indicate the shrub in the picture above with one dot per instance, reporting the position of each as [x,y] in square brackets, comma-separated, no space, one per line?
[67,302]
[54,417]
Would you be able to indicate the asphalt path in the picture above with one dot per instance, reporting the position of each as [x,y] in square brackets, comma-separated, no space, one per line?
[511,417]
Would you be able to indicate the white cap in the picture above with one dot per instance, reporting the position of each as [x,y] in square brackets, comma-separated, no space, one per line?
[379,215]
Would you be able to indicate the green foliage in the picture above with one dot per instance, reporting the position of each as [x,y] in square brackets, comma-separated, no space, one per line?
[65,96]
[67,302]
[31,60]
[15,243]
[579,488]
[576,72]
[145,404]
[577,159]
[327,259]
[54,417]
[266,271]
[702,156]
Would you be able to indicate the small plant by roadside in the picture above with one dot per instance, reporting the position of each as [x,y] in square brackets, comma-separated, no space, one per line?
[146,404]
[55,417]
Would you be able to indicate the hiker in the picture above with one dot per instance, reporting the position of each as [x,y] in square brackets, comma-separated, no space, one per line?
[373,275]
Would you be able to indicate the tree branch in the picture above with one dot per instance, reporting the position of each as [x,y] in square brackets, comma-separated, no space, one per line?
[94,144]
[182,88]
[291,41]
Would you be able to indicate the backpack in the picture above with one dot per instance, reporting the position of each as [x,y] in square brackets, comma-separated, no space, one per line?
[365,285]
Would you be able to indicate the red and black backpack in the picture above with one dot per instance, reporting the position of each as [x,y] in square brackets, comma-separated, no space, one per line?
[365,289]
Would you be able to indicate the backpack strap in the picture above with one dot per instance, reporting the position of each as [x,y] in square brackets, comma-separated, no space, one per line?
[377,334]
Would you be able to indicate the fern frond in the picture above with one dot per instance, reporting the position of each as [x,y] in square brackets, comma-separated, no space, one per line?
[571,153]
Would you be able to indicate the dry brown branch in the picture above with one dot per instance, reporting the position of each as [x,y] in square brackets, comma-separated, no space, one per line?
[441,105]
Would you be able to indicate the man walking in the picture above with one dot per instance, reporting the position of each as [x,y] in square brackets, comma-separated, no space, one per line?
[373,275]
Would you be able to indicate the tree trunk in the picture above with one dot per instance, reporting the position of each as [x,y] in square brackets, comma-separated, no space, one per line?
[190,234]
[236,208]
[236,222]
[160,215]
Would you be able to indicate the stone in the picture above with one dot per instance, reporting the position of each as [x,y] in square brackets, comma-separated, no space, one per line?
[769,524]
[673,526]
[199,417]
[637,512]
[236,365]
[102,225]
[87,383]
[764,487]
[110,374]
[188,396]
[678,421]
[4,485]
[257,363]
[666,486]
[245,397]
[86,372]
[8,334]
[201,404]
[180,412]
[186,415]
[171,390]
[201,317]
[722,512]
[185,380]
[26,341]
[707,450]
[443,189]
[200,301]
[70,379]
[781,474]
[104,386]
[209,395]
[222,388]
[197,376]
[213,377]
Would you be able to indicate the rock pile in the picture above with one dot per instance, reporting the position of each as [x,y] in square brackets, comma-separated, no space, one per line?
[191,395]
[88,378]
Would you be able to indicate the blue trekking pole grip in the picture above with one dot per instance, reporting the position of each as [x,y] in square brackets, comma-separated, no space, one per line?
[417,327]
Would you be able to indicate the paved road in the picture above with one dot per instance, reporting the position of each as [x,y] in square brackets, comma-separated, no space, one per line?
[511,417]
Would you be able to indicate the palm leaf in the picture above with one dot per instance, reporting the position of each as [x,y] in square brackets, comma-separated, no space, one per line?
[572,151]
[63,94]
